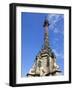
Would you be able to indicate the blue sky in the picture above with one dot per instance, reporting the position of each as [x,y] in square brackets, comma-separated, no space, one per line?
[32,38]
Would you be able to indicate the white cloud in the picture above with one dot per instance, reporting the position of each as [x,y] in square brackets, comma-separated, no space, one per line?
[53,20]
[58,54]
[56,30]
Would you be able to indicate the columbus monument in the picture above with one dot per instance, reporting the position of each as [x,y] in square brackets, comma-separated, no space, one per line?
[45,62]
